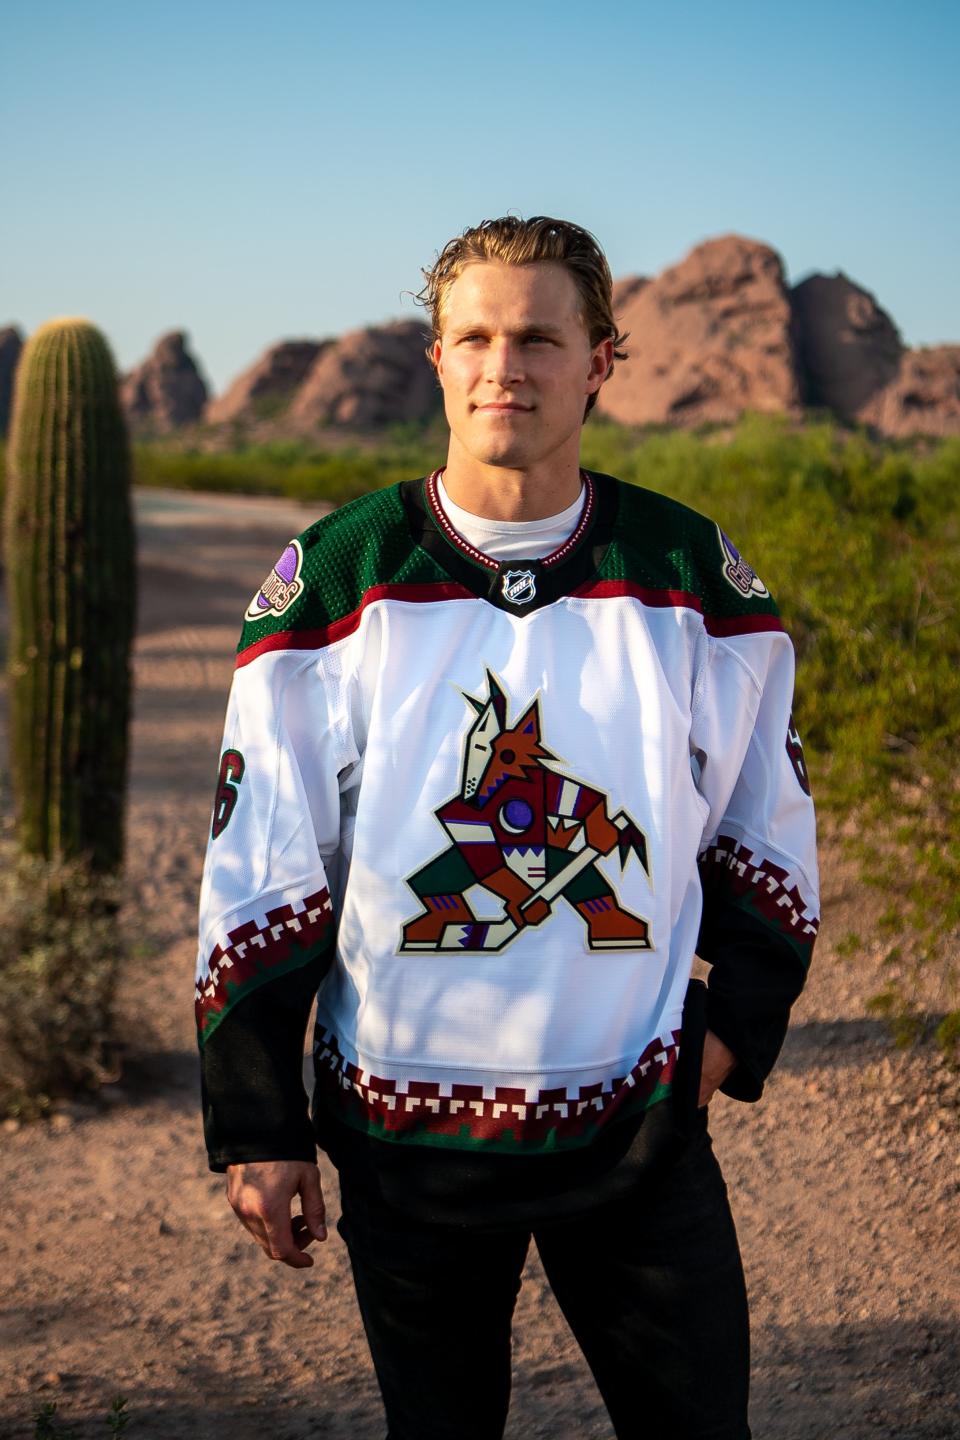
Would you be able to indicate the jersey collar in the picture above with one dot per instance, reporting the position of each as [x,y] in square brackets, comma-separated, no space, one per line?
[441,519]
[518,586]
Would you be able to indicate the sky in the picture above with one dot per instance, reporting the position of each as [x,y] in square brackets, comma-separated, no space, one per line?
[250,173]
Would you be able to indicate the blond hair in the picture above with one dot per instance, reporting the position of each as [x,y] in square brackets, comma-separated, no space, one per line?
[513,241]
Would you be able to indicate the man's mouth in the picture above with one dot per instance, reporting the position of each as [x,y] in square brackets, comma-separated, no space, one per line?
[504,406]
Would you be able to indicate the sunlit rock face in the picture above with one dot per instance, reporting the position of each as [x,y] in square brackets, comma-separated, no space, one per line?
[709,338]
[369,378]
[923,398]
[263,389]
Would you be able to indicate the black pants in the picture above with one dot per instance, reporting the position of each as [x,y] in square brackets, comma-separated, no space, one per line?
[651,1286]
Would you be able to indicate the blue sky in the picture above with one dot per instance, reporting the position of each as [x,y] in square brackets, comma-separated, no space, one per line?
[249,173]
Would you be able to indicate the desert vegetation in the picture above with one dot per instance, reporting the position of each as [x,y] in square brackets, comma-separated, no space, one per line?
[859,539]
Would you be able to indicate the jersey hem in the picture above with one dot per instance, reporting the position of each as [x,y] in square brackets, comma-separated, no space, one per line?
[498,1117]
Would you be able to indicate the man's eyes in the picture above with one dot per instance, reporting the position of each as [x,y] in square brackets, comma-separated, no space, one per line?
[545,339]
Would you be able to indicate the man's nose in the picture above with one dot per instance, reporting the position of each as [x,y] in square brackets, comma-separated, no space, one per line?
[504,362]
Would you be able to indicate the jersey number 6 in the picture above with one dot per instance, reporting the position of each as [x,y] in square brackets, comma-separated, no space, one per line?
[231,773]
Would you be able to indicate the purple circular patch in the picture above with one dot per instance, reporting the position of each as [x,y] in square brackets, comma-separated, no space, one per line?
[518,814]
[286,566]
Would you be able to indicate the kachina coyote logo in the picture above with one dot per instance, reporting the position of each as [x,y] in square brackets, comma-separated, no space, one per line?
[529,836]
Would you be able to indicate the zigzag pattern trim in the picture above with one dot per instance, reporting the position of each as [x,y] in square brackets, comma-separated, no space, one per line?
[484,1113]
[253,948]
[731,867]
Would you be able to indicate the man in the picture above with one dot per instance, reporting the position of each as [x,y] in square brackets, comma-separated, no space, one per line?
[504,748]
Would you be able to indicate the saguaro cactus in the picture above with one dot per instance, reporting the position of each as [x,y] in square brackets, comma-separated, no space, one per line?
[71,577]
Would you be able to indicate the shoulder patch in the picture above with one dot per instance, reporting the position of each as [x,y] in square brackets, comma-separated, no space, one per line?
[737,573]
[281,587]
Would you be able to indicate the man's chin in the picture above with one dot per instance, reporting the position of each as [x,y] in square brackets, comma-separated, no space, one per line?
[504,451]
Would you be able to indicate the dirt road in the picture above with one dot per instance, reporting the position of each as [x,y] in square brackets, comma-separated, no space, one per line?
[125,1269]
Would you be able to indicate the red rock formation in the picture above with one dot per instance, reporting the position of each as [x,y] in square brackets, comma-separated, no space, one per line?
[709,338]
[367,379]
[854,363]
[266,387]
[166,391]
[626,289]
[847,347]
[11,343]
[923,398]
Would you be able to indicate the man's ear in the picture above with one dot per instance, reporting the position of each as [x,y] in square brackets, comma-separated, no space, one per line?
[436,352]
[600,362]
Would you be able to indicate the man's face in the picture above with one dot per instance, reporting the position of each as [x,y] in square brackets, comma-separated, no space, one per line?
[515,361]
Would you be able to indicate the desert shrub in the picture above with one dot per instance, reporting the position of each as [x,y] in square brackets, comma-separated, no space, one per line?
[63,947]
[46,1426]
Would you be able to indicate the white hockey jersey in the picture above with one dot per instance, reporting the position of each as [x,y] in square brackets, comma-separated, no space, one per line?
[487,812]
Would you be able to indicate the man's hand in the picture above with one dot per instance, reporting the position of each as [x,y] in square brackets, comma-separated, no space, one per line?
[718,1061]
[260,1193]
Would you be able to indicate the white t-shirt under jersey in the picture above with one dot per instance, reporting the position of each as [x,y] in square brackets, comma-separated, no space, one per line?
[512,539]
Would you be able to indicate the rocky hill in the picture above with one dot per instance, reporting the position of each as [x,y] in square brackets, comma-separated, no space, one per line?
[267,388]
[717,334]
[922,398]
[708,339]
[368,379]
[721,333]
[167,390]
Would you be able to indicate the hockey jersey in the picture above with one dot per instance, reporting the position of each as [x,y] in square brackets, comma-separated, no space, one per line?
[486,814]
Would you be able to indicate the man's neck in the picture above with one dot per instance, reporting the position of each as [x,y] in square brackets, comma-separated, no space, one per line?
[500,492]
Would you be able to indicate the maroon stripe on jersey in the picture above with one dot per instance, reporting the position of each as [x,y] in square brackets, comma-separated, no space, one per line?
[719,625]
[417,594]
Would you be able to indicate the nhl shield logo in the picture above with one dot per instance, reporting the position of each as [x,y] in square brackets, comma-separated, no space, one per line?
[519,586]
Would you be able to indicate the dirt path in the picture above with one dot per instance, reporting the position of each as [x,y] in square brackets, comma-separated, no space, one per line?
[126,1270]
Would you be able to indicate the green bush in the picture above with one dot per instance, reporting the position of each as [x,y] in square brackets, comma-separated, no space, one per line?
[294,469]
[45,1426]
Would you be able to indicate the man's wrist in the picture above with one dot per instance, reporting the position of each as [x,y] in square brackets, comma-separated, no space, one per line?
[718,1063]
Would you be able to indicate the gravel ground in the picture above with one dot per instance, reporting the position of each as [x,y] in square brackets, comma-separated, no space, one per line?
[126,1270]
